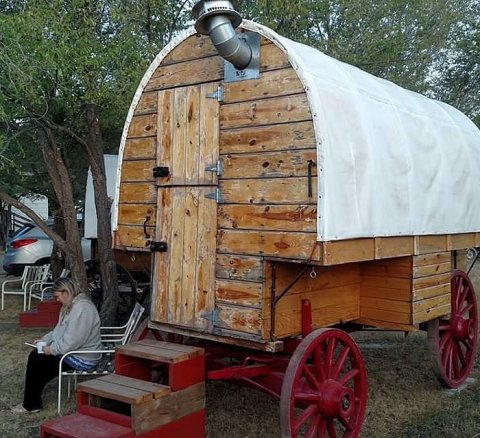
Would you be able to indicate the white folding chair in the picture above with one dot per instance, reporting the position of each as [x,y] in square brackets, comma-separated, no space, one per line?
[121,335]
[19,286]
[38,290]
[110,336]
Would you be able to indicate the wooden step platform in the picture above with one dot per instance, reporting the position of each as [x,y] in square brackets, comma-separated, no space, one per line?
[131,403]
[45,315]
[184,364]
[83,426]
[148,405]
[124,389]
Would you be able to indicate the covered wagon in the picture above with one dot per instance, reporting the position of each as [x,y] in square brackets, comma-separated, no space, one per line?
[285,196]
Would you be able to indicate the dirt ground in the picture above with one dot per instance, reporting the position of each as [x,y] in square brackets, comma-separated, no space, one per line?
[404,397]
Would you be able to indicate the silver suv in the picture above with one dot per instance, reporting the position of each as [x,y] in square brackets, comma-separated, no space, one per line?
[31,246]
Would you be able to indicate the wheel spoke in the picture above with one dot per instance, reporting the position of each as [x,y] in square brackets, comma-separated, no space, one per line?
[307,414]
[311,379]
[445,327]
[461,355]
[318,362]
[329,360]
[444,339]
[468,344]
[313,427]
[465,309]
[446,357]
[349,376]
[456,368]
[340,362]
[306,397]
[331,428]
[322,427]
[347,422]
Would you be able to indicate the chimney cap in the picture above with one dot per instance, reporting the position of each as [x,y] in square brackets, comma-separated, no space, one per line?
[205,8]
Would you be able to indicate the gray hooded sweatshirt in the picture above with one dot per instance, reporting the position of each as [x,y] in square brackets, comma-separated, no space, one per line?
[78,329]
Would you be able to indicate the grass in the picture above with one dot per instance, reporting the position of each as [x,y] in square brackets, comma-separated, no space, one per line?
[404,397]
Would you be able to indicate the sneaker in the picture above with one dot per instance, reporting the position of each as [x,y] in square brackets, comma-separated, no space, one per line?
[19,409]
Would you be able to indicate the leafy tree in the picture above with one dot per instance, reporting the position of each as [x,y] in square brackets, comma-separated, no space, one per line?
[68,75]
[393,39]
[457,72]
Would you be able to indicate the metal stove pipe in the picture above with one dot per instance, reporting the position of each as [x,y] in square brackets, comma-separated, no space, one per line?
[219,19]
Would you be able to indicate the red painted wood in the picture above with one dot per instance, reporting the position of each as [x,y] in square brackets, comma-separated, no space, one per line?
[103,414]
[306,317]
[83,426]
[186,373]
[135,367]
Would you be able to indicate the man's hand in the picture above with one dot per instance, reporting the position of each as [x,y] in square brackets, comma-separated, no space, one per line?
[46,350]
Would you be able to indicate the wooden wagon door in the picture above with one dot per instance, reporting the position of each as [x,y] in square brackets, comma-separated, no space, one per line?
[187,142]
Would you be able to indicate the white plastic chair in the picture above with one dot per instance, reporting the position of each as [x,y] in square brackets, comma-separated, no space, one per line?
[110,337]
[37,290]
[19,286]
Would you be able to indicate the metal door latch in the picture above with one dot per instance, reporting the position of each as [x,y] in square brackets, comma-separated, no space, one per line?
[158,246]
[217,168]
[160,172]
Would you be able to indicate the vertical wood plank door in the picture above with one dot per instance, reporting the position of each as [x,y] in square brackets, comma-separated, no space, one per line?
[184,275]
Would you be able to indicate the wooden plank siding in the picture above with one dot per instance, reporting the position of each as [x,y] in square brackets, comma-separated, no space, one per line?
[386,291]
[405,291]
[333,293]
[431,286]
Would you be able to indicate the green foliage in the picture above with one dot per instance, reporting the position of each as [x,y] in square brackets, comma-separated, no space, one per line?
[58,57]
[393,39]
[458,73]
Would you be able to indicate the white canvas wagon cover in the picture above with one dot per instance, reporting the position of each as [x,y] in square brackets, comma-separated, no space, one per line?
[390,162]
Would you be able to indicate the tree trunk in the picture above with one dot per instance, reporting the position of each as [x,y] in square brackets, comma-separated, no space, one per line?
[57,262]
[104,225]
[63,190]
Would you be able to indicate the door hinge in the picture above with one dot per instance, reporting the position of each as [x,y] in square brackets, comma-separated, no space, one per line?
[216,195]
[217,168]
[219,94]
[213,316]
[158,246]
[161,172]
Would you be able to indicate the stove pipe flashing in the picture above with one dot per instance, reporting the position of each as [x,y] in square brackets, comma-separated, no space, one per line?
[219,19]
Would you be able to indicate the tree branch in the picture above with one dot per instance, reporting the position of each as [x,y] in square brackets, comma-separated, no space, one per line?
[62,244]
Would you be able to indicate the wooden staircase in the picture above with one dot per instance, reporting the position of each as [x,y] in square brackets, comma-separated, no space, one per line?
[45,315]
[158,390]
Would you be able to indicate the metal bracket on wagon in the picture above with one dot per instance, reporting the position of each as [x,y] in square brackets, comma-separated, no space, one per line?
[158,246]
[216,195]
[213,316]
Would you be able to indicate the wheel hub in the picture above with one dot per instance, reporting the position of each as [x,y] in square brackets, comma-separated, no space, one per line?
[336,400]
[460,328]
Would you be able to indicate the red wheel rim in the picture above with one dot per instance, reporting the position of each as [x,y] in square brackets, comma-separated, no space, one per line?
[324,392]
[453,341]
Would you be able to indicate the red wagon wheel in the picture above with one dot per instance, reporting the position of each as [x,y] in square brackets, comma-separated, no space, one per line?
[324,392]
[453,341]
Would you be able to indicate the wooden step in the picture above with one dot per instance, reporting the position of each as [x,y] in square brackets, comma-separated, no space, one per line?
[124,389]
[83,426]
[166,352]
[32,318]
[144,405]
[183,365]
